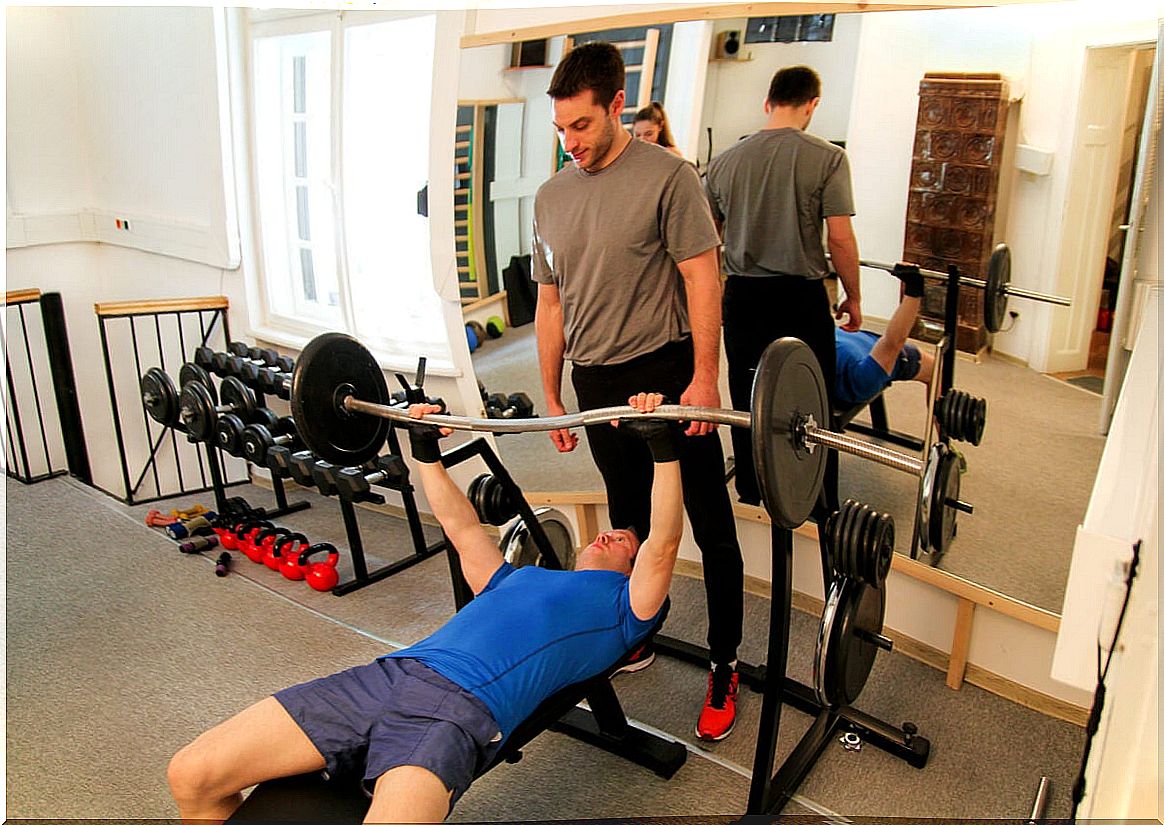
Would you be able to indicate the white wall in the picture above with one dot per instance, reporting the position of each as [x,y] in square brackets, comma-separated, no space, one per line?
[733,102]
[114,110]
[1041,49]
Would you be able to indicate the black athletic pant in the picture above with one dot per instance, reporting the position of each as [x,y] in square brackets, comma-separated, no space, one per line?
[757,311]
[628,471]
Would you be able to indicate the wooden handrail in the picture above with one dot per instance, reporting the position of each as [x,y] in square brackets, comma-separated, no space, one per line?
[21,296]
[162,305]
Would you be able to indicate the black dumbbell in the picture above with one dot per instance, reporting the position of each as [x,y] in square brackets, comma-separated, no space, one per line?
[520,405]
[199,413]
[326,479]
[354,483]
[257,439]
[230,431]
[274,381]
[279,461]
[300,465]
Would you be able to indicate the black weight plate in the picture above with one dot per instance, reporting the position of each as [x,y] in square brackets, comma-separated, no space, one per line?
[331,367]
[267,417]
[237,395]
[844,659]
[228,434]
[978,418]
[857,542]
[927,494]
[844,531]
[520,550]
[960,426]
[196,409]
[255,440]
[997,279]
[787,389]
[159,397]
[194,372]
[886,538]
[943,517]
[844,516]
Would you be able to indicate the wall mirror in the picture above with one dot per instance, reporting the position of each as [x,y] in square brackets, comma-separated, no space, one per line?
[1031,477]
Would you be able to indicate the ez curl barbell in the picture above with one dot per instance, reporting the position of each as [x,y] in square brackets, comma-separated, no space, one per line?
[340,403]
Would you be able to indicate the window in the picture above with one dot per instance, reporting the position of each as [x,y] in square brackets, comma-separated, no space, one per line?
[341,148]
[790,29]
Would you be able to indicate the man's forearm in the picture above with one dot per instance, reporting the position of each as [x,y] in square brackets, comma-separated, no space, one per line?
[448,503]
[551,351]
[847,264]
[667,505]
[704,310]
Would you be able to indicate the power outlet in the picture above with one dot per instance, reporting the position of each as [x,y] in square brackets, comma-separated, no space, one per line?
[122,223]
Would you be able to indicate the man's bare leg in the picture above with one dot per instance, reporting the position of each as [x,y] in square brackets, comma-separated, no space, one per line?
[262,742]
[409,794]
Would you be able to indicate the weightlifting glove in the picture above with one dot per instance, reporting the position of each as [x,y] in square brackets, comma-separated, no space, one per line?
[425,442]
[659,435]
[910,275]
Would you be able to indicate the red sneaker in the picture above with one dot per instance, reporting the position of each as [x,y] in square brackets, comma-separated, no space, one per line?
[718,716]
[640,659]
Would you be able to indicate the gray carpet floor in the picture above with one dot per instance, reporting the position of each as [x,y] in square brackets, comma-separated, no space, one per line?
[1029,480]
[120,649]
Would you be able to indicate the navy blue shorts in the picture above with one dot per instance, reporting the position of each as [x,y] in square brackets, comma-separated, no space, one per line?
[395,712]
[907,365]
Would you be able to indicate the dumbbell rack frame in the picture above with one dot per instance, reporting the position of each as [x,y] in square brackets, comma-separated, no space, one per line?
[421,549]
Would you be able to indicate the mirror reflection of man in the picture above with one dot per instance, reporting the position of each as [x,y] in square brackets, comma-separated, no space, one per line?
[629,292]
[772,193]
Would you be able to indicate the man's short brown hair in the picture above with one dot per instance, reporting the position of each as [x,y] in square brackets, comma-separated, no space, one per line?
[793,86]
[594,66]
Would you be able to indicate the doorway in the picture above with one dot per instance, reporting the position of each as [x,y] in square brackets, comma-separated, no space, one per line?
[1113,102]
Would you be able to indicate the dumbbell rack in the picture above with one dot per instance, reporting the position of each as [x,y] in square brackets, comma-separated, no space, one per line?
[421,549]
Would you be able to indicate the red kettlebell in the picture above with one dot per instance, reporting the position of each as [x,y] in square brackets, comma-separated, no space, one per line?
[266,544]
[290,567]
[226,534]
[321,575]
[283,548]
[246,534]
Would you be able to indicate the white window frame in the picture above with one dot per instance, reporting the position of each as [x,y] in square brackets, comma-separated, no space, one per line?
[295,330]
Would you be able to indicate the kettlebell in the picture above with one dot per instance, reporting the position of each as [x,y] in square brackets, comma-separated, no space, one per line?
[321,575]
[267,546]
[283,548]
[290,567]
[245,535]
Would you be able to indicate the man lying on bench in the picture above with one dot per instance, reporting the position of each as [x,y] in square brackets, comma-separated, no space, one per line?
[420,722]
[867,363]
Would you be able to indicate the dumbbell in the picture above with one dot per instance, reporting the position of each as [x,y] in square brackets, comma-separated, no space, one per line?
[324,473]
[257,439]
[230,430]
[275,381]
[355,483]
[300,465]
[199,413]
[491,499]
[251,369]
[193,372]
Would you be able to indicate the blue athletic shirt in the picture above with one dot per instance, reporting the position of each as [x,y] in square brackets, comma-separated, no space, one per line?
[859,377]
[530,633]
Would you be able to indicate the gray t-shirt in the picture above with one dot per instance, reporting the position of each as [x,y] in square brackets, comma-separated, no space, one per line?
[610,241]
[772,192]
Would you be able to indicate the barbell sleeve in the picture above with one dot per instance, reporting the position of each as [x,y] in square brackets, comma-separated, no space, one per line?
[1018,292]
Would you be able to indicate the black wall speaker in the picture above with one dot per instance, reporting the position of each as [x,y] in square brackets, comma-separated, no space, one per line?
[727,45]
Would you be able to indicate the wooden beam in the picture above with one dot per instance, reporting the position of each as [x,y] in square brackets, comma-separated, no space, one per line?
[162,305]
[21,296]
[960,647]
[725,11]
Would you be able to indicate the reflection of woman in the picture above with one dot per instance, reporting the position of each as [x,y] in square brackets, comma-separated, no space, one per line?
[651,125]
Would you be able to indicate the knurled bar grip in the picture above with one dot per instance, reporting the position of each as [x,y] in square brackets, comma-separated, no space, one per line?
[1018,292]
[864,449]
[669,412]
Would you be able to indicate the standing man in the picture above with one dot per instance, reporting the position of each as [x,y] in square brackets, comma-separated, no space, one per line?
[771,193]
[629,291]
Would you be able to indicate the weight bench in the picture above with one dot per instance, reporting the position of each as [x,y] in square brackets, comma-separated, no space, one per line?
[309,797]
